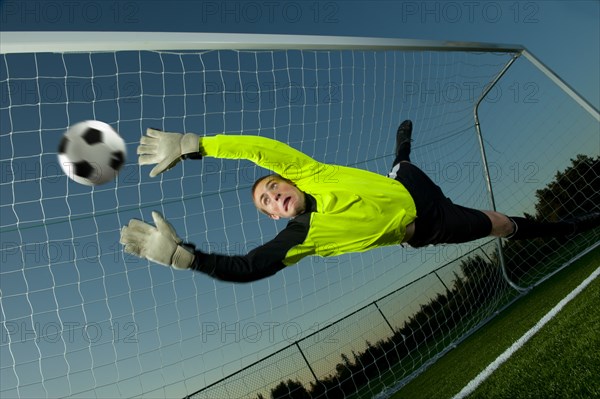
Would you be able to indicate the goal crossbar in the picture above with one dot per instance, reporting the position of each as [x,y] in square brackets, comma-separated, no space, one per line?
[30,42]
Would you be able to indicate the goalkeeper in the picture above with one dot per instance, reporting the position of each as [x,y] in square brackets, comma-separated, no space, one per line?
[333,209]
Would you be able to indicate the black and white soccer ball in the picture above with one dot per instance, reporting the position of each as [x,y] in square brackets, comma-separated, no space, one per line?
[91,153]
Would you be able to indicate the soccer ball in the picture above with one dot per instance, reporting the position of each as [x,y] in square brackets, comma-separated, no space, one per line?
[91,153]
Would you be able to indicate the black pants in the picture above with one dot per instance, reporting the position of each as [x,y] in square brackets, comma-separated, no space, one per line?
[439,221]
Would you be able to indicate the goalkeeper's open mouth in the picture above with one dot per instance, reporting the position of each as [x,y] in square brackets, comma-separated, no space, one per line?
[286,203]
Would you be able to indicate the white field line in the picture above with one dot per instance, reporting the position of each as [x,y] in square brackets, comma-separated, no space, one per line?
[475,382]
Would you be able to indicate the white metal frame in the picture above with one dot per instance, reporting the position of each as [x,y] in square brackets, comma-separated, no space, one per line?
[31,42]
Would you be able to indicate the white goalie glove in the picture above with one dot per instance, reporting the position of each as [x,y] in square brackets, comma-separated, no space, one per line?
[166,149]
[159,244]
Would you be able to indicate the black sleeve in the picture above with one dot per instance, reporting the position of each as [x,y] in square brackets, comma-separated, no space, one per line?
[261,262]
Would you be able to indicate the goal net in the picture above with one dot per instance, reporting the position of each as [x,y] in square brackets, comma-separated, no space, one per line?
[78,317]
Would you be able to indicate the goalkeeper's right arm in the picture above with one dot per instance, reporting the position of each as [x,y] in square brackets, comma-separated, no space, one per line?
[167,149]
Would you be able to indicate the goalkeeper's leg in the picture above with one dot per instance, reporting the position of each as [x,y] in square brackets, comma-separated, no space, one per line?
[462,224]
[453,224]
[523,228]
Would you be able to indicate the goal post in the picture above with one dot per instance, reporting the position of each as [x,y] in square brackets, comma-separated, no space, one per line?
[78,317]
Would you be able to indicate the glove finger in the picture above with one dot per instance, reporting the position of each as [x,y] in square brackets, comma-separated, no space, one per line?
[148,149]
[164,227]
[140,226]
[148,159]
[124,237]
[153,132]
[132,236]
[162,166]
[156,171]
[133,249]
[138,233]
[158,219]
[129,236]
[145,140]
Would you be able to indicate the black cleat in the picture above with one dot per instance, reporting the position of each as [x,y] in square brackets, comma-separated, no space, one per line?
[585,222]
[403,135]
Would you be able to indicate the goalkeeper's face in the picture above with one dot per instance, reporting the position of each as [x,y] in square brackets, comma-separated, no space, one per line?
[278,198]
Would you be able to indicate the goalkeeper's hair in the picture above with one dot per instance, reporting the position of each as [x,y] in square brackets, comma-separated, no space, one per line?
[271,175]
[258,181]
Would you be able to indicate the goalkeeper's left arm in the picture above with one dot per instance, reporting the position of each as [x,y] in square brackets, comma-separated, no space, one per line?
[161,244]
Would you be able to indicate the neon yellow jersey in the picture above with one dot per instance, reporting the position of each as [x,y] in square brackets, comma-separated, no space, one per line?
[356,210]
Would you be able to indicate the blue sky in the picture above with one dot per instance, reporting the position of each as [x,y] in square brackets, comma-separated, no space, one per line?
[145,320]
[563,34]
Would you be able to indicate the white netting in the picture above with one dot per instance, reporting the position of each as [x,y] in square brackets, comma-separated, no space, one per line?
[80,318]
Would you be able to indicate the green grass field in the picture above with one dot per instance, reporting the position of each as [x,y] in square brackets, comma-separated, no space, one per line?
[561,361]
